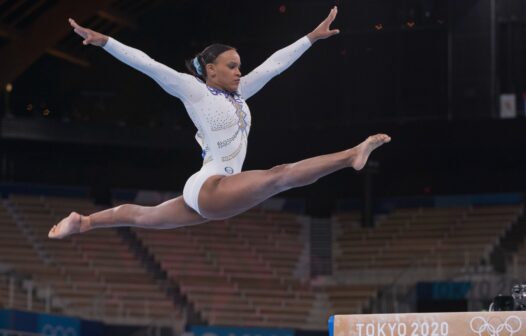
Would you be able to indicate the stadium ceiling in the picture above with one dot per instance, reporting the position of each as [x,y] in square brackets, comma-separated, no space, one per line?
[30,29]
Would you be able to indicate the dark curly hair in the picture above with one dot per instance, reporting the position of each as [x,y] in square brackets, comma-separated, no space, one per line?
[208,55]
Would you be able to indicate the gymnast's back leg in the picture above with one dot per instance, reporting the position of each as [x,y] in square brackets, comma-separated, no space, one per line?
[168,215]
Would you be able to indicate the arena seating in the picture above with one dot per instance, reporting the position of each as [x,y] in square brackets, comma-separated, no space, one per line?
[92,275]
[434,237]
[350,298]
[19,260]
[244,271]
[239,271]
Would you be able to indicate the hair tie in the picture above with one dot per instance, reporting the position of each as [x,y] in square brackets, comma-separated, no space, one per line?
[197,66]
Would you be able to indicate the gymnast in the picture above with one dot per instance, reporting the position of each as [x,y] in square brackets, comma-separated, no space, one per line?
[214,95]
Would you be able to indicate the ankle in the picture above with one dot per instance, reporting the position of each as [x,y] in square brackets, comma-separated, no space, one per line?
[351,154]
[85,223]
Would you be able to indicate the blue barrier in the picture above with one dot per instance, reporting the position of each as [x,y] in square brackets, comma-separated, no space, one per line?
[17,320]
[442,290]
[58,325]
[234,331]
[48,325]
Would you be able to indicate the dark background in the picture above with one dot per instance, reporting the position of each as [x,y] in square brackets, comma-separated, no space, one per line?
[427,72]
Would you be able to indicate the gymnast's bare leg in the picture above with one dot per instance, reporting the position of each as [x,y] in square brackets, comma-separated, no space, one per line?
[223,196]
[226,196]
[168,215]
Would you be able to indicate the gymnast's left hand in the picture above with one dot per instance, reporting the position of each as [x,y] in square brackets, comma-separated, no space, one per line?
[324,30]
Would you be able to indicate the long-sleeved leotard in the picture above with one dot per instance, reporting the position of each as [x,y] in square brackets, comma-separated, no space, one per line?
[222,118]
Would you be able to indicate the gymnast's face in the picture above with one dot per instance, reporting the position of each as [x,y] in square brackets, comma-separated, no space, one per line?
[225,72]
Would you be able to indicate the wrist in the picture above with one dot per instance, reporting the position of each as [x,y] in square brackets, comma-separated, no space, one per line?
[104,40]
[312,37]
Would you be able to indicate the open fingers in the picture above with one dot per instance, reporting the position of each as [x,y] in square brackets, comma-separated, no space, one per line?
[74,24]
[332,15]
[82,32]
[78,29]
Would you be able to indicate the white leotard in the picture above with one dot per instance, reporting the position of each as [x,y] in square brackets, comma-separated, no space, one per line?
[222,118]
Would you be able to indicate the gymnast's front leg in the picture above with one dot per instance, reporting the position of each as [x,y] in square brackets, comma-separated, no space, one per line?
[226,196]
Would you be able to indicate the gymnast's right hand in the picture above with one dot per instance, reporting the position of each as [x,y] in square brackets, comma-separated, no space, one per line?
[89,36]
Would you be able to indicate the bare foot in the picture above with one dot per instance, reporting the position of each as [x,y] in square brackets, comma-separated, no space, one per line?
[68,226]
[363,150]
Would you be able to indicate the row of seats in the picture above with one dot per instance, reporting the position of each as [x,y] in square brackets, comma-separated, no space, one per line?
[424,237]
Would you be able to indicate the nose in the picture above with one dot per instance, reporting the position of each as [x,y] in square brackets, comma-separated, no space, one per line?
[238,72]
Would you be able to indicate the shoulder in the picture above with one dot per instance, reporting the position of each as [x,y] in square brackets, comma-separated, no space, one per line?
[192,81]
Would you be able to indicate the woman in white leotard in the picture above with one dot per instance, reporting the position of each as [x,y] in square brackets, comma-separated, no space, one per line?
[214,96]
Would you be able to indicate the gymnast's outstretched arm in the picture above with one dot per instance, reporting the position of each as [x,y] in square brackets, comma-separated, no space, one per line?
[178,84]
[283,58]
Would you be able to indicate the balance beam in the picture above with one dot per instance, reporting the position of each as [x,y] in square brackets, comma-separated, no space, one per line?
[430,324]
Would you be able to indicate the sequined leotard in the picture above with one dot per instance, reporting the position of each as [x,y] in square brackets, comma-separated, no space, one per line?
[222,118]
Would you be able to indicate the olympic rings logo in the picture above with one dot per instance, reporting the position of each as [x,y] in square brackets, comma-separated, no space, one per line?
[50,330]
[481,326]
